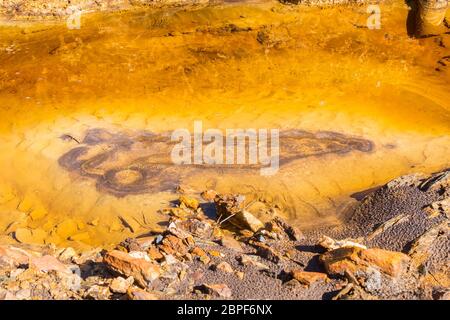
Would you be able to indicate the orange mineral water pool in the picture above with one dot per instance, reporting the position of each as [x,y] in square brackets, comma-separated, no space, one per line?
[85,114]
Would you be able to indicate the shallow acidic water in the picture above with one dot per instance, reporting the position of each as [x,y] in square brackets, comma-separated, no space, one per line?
[85,114]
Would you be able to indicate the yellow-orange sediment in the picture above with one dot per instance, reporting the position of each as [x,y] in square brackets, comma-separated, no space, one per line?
[232,66]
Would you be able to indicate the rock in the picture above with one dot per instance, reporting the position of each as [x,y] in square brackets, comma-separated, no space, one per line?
[353,292]
[308,278]
[216,253]
[224,267]
[217,233]
[246,260]
[138,294]
[292,232]
[93,255]
[173,245]
[244,233]
[155,254]
[189,202]
[443,295]
[413,179]
[141,270]
[23,294]
[267,252]
[219,290]
[169,259]
[177,229]
[121,285]
[247,220]
[197,275]
[439,207]
[290,253]
[205,259]
[7,296]
[144,243]
[231,243]
[331,244]
[209,195]
[231,208]
[437,182]
[97,292]
[139,255]
[131,244]
[178,213]
[48,263]
[423,246]
[197,251]
[13,257]
[198,228]
[71,282]
[386,225]
[16,272]
[354,259]
[240,274]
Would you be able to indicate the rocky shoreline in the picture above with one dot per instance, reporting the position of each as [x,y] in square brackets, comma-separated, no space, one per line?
[395,245]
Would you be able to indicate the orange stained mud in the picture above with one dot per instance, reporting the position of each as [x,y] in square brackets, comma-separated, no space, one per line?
[358,107]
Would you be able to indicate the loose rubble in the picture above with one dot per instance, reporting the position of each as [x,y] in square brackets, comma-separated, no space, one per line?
[235,255]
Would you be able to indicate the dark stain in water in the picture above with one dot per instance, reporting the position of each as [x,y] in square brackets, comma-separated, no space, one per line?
[124,163]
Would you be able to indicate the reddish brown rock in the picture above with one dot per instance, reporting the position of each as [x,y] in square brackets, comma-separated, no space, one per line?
[138,294]
[197,251]
[173,245]
[292,232]
[224,267]
[48,263]
[141,270]
[307,278]
[12,256]
[155,254]
[145,242]
[219,290]
[355,259]
[390,262]
[231,243]
[232,208]
[199,228]
[251,261]
[216,253]
[267,252]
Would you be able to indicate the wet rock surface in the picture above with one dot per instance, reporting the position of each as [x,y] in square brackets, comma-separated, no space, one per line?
[408,261]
